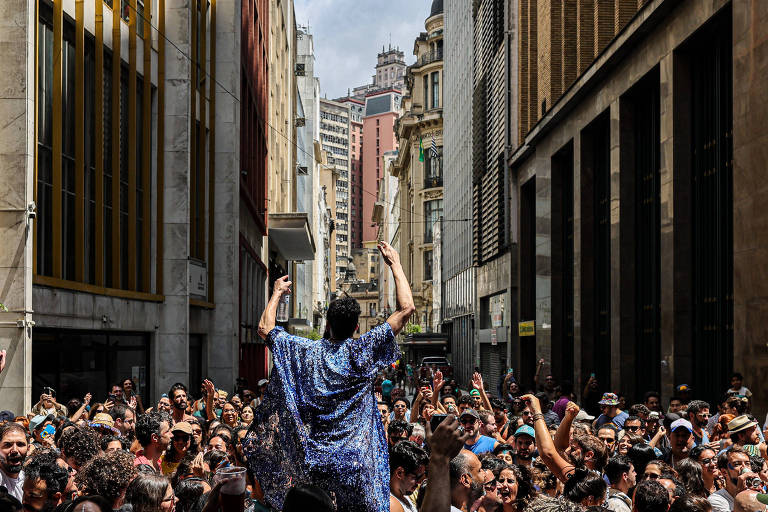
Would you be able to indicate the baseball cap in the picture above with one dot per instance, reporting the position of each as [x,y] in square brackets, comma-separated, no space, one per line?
[183,427]
[681,423]
[470,412]
[36,422]
[583,415]
[654,415]
[525,430]
[262,382]
[609,399]
[474,392]
[6,416]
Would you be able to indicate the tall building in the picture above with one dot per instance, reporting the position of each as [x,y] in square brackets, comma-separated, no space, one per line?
[386,215]
[356,110]
[334,137]
[133,215]
[390,74]
[639,178]
[381,111]
[419,165]
[458,273]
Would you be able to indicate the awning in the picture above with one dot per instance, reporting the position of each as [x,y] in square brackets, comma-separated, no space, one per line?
[290,234]
[426,338]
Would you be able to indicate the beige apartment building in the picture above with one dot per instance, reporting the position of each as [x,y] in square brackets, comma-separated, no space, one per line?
[419,164]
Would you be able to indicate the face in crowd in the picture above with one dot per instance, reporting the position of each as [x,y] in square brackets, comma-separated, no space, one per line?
[608,436]
[525,446]
[179,399]
[13,452]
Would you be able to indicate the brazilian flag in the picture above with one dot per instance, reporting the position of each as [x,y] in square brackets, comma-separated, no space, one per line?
[421,151]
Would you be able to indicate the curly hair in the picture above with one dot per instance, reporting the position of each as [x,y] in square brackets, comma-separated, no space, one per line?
[42,465]
[525,489]
[407,455]
[80,445]
[146,492]
[397,426]
[107,475]
[188,492]
[149,424]
[583,484]
[342,317]
[546,504]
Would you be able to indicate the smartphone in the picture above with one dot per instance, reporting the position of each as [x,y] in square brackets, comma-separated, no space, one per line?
[592,375]
[49,391]
[436,420]
[48,431]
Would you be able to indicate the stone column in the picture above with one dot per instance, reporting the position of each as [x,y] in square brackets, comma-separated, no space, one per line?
[616,276]
[543,263]
[578,379]
[223,341]
[171,343]
[17,143]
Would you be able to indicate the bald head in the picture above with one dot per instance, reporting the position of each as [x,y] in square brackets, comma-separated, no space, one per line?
[746,501]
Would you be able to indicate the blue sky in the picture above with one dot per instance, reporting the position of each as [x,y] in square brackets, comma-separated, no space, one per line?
[349,33]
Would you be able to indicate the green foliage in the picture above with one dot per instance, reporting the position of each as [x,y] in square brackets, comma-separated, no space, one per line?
[412,328]
[312,335]
[3,307]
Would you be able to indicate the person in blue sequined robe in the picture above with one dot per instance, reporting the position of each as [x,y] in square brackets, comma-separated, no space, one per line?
[319,422]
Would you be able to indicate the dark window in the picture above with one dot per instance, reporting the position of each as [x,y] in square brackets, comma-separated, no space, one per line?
[45,147]
[140,243]
[436,89]
[68,171]
[433,165]
[109,280]
[90,164]
[425,80]
[123,207]
[428,265]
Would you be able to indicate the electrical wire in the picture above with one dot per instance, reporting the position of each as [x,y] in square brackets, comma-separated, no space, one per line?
[294,144]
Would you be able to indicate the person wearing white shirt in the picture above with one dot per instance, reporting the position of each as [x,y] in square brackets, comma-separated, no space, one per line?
[13,452]
[735,466]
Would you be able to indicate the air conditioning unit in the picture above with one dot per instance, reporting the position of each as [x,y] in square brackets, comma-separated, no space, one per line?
[300,69]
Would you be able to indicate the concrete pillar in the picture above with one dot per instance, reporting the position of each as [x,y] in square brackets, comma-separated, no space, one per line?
[171,343]
[17,144]
[616,274]
[223,341]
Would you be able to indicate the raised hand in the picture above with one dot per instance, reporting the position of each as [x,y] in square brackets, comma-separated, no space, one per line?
[209,388]
[571,409]
[389,254]
[477,381]
[108,405]
[533,403]
[437,381]
[87,399]
[282,286]
[2,360]
[447,439]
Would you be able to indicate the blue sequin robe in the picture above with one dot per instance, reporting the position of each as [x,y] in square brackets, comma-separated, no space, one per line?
[319,422]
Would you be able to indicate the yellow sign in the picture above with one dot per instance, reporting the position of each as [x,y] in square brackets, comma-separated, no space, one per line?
[526,328]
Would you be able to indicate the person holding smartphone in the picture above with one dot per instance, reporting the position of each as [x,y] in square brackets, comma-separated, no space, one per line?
[48,404]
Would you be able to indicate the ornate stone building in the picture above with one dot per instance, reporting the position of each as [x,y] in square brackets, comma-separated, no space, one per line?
[419,164]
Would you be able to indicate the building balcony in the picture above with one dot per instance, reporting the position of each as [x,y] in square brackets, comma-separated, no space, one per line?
[290,234]
[428,58]
[433,182]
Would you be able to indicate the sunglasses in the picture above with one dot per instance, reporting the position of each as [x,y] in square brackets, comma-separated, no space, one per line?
[707,461]
[633,428]
[651,476]
[489,486]
[468,421]
[184,438]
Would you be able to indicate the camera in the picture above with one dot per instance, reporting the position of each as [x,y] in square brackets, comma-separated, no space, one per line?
[754,483]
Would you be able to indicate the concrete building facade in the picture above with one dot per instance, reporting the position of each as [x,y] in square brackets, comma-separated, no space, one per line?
[334,137]
[356,111]
[457,270]
[639,208]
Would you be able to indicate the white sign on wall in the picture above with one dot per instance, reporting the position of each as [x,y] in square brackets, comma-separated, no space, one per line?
[198,279]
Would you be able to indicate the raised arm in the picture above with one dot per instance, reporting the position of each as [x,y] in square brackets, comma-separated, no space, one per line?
[539,364]
[405,307]
[559,467]
[267,322]
[477,383]
[563,434]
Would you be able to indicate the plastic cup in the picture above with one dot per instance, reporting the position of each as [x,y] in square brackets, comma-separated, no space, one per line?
[236,484]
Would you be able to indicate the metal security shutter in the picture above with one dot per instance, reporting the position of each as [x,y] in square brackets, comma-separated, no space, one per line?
[492,359]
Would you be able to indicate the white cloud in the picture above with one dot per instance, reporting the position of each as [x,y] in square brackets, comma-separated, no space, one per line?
[348,35]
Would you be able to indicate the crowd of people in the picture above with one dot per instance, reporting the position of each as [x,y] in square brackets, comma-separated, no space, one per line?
[448,450]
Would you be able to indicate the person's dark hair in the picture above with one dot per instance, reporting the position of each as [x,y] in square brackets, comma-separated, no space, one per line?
[502,447]
[542,477]
[737,375]
[60,430]
[651,496]
[651,394]
[214,457]
[680,489]
[566,388]
[42,466]
[188,493]
[525,490]
[382,402]
[176,386]
[81,444]
[689,472]
[397,426]
[146,492]
[596,446]
[9,503]
[617,466]
[223,430]
[544,503]
[691,503]
[722,459]
[183,470]
[458,466]
[401,399]
[107,475]
[756,462]
[492,463]
[635,418]
[73,406]
[673,398]
[695,406]
[583,484]
[407,455]
[101,503]
[638,410]
[118,411]
[608,426]
[464,399]
[148,424]
[308,497]
[497,403]
[342,317]
[697,450]
[105,440]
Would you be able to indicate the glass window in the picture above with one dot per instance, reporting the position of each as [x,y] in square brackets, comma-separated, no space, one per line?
[428,265]
[426,91]
[139,183]
[68,154]
[123,206]
[433,166]
[45,148]
[90,164]
[435,89]
[107,170]
[433,210]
